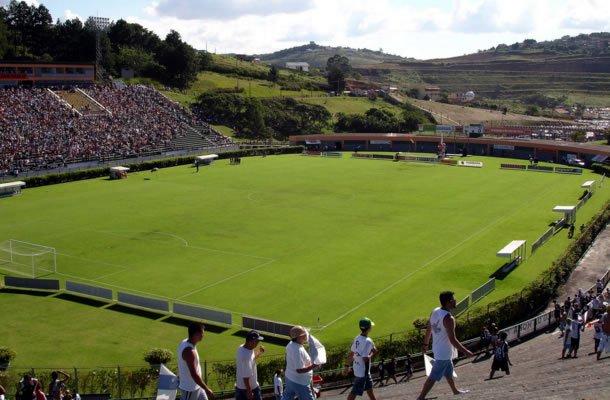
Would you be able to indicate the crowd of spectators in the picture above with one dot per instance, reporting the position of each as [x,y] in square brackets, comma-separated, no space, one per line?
[37,130]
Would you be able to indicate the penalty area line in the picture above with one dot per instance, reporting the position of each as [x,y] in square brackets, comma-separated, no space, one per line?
[226,279]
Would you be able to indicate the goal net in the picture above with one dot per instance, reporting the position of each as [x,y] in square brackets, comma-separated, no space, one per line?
[27,259]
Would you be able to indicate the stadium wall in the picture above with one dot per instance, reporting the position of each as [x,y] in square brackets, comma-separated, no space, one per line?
[543,150]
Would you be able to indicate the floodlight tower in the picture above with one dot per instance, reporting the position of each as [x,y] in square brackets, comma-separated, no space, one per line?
[100,24]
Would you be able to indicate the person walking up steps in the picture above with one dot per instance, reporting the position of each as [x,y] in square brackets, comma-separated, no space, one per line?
[441,328]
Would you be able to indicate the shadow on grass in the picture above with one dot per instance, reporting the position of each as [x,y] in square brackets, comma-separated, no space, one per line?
[186,322]
[136,312]
[504,270]
[38,293]
[268,339]
[81,300]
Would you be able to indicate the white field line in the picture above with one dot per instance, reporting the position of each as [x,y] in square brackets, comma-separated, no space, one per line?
[382,291]
[226,279]
[186,244]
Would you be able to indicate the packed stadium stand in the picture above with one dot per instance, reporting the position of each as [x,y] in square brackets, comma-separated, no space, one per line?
[41,129]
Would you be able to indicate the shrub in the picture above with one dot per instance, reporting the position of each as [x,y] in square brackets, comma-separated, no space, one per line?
[156,356]
[6,355]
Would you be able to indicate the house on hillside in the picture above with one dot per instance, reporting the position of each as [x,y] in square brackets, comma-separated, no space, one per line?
[299,66]
[434,93]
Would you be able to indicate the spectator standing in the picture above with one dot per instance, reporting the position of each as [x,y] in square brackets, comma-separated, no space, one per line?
[597,335]
[57,385]
[2,392]
[39,394]
[562,324]
[391,371]
[246,381]
[298,367]
[26,388]
[599,286]
[595,303]
[381,369]
[501,360]
[604,342]
[566,337]
[278,388]
[408,367]
[189,369]
[556,310]
[361,353]
[575,328]
[441,327]
[485,339]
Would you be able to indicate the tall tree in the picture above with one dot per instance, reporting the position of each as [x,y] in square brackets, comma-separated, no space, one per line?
[179,59]
[337,69]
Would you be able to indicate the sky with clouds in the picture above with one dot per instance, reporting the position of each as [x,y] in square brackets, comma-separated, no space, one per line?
[410,28]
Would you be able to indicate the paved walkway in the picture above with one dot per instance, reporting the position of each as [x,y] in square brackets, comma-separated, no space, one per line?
[538,371]
[591,267]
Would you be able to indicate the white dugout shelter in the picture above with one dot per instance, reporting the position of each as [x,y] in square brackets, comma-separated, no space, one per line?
[11,188]
[118,172]
[568,211]
[515,252]
[206,160]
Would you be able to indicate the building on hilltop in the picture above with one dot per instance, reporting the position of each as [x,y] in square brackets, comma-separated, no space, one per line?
[299,66]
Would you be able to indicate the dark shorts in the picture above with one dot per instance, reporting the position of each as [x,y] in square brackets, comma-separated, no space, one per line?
[242,394]
[499,365]
[361,385]
[574,343]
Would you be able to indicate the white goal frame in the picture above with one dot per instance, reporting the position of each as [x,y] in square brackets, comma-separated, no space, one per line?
[11,248]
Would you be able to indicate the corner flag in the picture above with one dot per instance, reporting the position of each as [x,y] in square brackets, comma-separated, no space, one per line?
[168,384]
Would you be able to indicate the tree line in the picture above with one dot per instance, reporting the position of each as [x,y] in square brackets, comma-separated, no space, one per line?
[28,33]
[279,118]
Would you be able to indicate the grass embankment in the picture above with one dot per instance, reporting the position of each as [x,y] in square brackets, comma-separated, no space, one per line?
[288,238]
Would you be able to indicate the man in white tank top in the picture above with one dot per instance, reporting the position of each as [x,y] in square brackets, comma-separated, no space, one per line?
[189,369]
[442,329]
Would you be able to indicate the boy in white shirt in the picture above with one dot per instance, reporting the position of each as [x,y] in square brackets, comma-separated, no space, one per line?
[361,353]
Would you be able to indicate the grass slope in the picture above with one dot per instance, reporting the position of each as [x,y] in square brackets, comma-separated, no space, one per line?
[286,238]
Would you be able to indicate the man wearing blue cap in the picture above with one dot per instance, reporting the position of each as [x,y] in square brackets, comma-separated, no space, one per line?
[361,353]
[246,383]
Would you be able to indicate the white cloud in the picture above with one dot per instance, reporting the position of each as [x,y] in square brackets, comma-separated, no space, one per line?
[247,26]
[227,9]
[70,15]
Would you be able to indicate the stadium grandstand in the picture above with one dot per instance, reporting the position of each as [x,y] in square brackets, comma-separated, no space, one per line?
[42,128]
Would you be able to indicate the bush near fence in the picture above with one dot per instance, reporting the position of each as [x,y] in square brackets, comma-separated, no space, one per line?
[71,176]
[601,168]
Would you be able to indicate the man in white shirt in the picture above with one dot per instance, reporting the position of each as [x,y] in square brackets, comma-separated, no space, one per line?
[442,329]
[189,368]
[299,367]
[361,353]
[246,381]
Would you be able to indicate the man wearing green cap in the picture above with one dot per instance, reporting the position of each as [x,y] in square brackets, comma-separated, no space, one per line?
[362,352]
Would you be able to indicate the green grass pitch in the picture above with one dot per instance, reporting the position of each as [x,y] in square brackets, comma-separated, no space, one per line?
[287,238]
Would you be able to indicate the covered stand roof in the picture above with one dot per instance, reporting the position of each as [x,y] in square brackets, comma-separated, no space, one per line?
[510,248]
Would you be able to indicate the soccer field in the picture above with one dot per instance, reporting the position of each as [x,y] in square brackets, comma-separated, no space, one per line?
[299,239]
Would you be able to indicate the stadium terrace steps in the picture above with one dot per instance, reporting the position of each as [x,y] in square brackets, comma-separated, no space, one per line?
[537,373]
[78,101]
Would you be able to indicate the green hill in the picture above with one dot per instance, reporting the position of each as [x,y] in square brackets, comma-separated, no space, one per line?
[317,56]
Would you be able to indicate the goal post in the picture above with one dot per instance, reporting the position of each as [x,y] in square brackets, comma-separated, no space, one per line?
[27,259]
